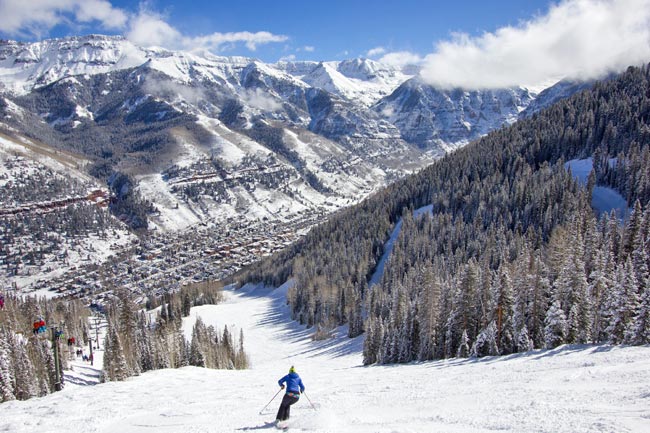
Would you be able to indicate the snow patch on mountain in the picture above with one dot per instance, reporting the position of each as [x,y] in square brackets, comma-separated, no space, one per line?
[360,80]
[603,199]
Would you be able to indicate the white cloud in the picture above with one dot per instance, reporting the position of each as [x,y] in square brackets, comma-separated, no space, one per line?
[170,90]
[149,28]
[374,52]
[289,58]
[401,59]
[309,48]
[216,40]
[575,39]
[260,99]
[34,18]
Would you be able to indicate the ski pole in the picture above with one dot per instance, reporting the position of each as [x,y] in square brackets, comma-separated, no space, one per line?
[312,404]
[267,404]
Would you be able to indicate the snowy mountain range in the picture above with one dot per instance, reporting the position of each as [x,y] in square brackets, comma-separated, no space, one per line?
[207,137]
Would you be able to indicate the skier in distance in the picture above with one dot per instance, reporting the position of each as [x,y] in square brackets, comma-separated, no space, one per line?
[294,388]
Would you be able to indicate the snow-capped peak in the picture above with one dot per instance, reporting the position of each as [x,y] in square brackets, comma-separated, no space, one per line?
[361,80]
[25,66]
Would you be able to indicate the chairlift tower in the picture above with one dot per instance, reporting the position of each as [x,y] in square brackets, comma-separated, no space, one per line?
[57,331]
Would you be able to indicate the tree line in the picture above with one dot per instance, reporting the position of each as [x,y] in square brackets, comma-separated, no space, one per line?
[136,340]
[139,340]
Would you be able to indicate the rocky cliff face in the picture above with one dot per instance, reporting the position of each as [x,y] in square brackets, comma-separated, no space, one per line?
[431,118]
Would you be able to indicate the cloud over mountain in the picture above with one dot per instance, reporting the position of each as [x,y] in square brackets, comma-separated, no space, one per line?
[146,27]
[575,39]
[34,18]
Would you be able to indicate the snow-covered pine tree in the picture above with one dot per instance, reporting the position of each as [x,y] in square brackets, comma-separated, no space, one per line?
[116,367]
[355,314]
[128,326]
[623,303]
[555,326]
[570,288]
[524,343]
[463,347]
[486,342]
[241,359]
[196,350]
[641,334]
[600,283]
[30,369]
[430,314]
[641,245]
[6,371]
[372,343]
[503,316]
[144,346]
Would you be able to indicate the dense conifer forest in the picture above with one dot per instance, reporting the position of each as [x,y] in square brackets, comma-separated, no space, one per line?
[512,256]
[136,340]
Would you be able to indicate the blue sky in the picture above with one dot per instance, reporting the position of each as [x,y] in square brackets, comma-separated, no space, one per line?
[343,28]
[329,29]
[457,43]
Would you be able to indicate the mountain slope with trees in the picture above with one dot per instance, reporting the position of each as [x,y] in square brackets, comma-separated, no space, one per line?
[512,256]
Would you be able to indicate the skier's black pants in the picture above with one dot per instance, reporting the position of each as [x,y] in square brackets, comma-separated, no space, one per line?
[288,399]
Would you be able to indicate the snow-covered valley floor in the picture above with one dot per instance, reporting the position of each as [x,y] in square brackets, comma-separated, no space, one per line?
[570,389]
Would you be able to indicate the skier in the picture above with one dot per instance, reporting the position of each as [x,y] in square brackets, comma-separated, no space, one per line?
[294,388]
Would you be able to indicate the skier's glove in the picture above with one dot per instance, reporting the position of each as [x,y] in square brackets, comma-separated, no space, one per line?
[281,386]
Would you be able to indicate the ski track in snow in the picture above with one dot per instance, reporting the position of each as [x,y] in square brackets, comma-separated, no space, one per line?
[569,389]
[388,247]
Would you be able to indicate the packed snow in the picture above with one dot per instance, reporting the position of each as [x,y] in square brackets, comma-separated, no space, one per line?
[569,389]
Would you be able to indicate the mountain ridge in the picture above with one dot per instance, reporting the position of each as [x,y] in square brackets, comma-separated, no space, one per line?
[201,140]
[105,85]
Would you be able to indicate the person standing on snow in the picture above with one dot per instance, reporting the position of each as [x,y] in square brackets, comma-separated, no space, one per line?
[294,388]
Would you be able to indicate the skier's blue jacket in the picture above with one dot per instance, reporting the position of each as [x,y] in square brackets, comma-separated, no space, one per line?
[294,383]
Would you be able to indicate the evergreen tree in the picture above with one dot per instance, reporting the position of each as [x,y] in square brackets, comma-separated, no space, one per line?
[504,327]
[463,349]
[524,343]
[6,371]
[196,354]
[486,342]
[116,367]
[555,326]
[641,333]
[623,304]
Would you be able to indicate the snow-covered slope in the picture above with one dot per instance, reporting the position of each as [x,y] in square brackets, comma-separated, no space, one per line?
[569,389]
